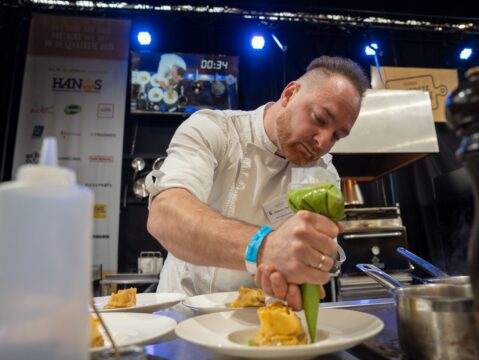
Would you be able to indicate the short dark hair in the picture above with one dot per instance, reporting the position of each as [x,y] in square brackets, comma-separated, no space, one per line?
[331,65]
[180,71]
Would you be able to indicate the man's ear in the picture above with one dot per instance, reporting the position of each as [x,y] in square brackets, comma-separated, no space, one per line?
[288,92]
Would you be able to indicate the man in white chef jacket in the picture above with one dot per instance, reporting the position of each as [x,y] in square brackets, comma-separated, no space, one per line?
[218,203]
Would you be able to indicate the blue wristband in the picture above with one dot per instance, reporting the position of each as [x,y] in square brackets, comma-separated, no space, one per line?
[252,250]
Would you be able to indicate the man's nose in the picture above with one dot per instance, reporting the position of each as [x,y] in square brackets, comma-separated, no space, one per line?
[323,140]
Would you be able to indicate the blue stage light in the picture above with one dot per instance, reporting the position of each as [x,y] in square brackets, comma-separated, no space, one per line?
[144,38]
[465,53]
[371,49]
[257,42]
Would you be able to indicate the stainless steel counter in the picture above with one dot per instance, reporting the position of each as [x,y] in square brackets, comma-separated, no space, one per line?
[382,346]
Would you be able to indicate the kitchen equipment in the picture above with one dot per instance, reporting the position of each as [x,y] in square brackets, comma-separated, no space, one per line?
[150,262]
[351,192]
[394,128]
[139,188]
[138,164]
[439,275]
[46,223]
[371,235]
[435,321]
[462,113]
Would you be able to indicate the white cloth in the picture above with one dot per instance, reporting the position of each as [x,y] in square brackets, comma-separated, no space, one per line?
[227,161]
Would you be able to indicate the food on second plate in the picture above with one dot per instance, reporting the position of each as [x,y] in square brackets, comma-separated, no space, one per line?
[96,339]
[279,325]
[248,297]
[122,299]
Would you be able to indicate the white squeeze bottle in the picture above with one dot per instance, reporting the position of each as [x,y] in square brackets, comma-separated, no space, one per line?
[46,221]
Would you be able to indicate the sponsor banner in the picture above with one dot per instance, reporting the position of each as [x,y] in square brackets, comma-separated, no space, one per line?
[74,89]
[437,82]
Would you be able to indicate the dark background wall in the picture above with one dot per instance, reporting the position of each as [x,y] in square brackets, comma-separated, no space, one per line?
[260,80]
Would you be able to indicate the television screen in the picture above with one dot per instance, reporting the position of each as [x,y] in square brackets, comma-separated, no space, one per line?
[176,82]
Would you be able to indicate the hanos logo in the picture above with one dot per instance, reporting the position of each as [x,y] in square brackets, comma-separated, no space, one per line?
[100,211]
[76,85]
[72,109]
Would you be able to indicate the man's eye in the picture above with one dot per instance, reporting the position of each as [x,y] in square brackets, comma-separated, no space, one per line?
[319,121]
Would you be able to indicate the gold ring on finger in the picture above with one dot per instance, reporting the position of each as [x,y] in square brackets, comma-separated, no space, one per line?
[321,262]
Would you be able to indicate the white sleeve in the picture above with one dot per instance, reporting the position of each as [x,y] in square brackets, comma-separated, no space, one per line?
[193,155]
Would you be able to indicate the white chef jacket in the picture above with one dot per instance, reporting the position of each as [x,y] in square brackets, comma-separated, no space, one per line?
[227,161]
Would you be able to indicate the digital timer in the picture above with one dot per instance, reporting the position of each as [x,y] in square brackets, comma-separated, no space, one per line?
[214,64]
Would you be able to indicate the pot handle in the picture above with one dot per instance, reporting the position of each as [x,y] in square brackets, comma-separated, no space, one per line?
[421,263]
[380,276]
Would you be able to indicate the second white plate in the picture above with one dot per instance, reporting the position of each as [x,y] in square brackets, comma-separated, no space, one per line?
[145,302]
[210,303]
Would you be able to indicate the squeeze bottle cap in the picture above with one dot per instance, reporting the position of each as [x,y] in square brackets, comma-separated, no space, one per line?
[49,153]
[47,171]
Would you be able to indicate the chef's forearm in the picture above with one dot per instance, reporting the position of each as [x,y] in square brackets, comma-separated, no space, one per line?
[195,233]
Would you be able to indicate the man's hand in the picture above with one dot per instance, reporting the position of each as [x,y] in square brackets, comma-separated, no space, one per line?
[302,249]
[274,284]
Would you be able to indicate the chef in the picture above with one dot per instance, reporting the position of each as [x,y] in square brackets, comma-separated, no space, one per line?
[218,202]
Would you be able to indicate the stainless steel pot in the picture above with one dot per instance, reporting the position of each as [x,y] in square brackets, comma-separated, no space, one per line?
[435,321]
[439,275]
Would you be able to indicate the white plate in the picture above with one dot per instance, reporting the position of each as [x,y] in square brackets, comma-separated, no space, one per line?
[210,303]
[155,80]
[228,333]
[170,97]
[145,302]
[134,329]
[143,77]
[155,94]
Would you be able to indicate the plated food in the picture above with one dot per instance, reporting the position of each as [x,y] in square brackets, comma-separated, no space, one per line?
[155,94]
[122,299]
[221,301]
[279,326]
[96,339]
[229,333]
[145,302]
[248,297]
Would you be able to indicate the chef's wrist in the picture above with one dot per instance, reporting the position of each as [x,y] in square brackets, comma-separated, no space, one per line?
[259,259]
[254,250]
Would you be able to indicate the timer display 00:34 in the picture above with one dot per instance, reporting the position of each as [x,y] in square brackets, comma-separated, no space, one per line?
[214,64]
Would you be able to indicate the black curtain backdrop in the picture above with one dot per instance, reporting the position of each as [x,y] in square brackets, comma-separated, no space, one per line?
[431,223]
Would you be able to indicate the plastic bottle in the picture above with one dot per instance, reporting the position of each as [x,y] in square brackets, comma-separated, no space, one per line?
[46,224]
